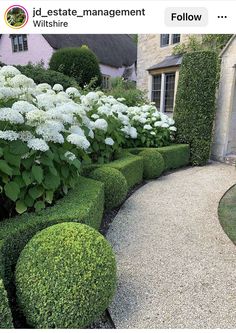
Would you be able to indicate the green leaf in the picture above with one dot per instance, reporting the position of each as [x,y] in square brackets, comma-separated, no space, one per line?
[12,159]
[51,182]
[49,196]
[77,164]
[20,207]
[12,190]
[29,201]
[18,148]
[53,171]
[65,171]
[5,168]
[27,177]
[39,205]
[46,161]
[1,152]
[27,163]
[36,192]
[19,180]
[37,173]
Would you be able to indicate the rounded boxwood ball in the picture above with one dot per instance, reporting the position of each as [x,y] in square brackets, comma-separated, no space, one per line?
[153,163]
[65,277]
[115,185]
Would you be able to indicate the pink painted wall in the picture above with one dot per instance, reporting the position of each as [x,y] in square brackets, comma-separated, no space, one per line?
[39,50]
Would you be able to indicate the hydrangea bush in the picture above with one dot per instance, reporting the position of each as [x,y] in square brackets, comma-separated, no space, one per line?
[46,132]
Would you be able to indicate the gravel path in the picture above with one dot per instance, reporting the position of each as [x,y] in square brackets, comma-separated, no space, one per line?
[176,266]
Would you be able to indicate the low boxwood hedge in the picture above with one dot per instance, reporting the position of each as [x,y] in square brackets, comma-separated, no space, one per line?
[84,204]
[153,163]
[175,156]
[65,277]
[5,312]
[129,165]
[115,185]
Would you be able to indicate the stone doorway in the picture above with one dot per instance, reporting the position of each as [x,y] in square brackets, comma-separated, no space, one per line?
[231,148]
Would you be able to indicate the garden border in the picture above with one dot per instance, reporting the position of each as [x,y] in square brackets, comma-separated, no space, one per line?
[84,204]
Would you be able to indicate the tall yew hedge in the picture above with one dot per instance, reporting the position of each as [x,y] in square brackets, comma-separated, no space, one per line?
[195,103]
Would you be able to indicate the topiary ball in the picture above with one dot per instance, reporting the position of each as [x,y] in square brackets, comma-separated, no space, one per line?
[115,185]
[65,277]
[153,163]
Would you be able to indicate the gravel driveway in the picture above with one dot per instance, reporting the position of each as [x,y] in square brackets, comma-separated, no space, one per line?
[176,266]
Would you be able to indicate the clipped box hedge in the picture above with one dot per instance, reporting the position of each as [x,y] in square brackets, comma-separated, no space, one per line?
[129,165]
[195,103]
[5,311]
[84,204]
[175,156]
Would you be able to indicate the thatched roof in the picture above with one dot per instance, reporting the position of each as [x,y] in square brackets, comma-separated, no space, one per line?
[113,50]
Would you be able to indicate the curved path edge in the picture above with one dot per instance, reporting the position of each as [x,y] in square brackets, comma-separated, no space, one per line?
[176,266]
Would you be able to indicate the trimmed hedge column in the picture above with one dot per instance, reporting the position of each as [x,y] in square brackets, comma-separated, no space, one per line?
[195,104]
[5,312]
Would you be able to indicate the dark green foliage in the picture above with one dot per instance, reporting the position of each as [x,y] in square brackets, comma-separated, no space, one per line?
[121,88]
[131,167]
[84,204]
[153,163]
[115,185]
[5,312]
[227,213]
[65,277]
[175,156]
[42,75]
[195,104]
[79,63]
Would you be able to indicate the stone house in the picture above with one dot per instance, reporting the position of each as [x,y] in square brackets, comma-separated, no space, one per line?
[117,54]
[158,74]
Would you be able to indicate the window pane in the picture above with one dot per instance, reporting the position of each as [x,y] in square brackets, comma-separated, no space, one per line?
[156,90]
[25,43]
[176,38]
[169,92]
[165,39]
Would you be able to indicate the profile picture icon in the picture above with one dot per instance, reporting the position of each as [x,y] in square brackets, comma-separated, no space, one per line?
[16,17]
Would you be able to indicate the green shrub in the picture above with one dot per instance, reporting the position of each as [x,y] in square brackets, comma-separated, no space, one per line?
[42,75]
[5,312]
[115,185]
[65,277]
[79,63]
[175,156]
[84,204]
[153,163]
[127,90]
[131,167]
[195,104]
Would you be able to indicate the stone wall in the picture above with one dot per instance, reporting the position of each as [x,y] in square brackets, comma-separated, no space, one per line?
[149,54]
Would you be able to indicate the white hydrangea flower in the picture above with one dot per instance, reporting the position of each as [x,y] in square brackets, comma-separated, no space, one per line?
[133,133]
[23,107]
[38,144]
[73,92]
[158,123]
[165,125]
[70,156]
[58,87]
[95,116]
[22,81]
[78,140]
[147,127]
[152,133]
[8,92]
[43,87]
[109,141]
[9,71]
[173,128]
[101,124]
[9,135]
[13,116]
[76,130]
